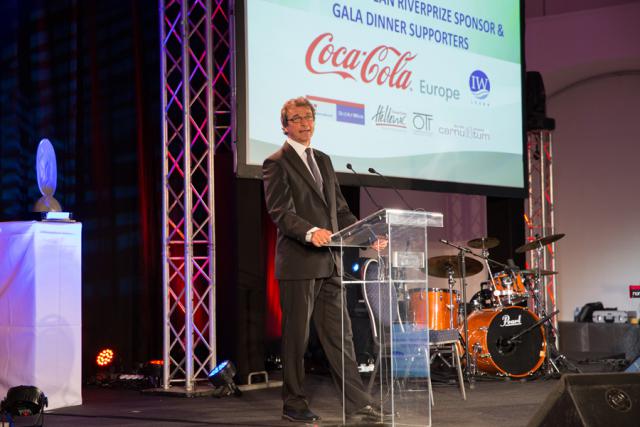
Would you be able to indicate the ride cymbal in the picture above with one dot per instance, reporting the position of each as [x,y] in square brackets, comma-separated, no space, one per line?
[440,266]
[539,242]
[483,243]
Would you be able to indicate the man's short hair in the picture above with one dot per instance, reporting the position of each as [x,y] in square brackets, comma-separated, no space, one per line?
[300,101]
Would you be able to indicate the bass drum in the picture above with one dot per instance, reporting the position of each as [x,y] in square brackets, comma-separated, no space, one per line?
[489,333]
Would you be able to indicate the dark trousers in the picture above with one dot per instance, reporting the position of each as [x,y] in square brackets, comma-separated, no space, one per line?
[317,300]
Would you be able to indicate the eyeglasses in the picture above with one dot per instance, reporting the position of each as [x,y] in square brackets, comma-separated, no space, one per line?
[298,119]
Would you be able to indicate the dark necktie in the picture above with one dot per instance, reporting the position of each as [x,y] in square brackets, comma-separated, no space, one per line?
[314,169]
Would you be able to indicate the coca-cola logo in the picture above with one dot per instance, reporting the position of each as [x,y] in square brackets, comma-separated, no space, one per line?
[383,65]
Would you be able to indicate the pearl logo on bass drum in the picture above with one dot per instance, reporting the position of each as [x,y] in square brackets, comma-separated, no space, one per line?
[506,321]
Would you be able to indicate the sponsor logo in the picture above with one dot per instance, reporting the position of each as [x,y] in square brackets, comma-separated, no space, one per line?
[467,132]
[444,92]
[634,291]
[479,85]
[422,122]
[341,111]
[506,321]
[385,116]
[383,65]
[388,117]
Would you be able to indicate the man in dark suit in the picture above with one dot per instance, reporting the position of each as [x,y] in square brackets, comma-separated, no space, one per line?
[304,200]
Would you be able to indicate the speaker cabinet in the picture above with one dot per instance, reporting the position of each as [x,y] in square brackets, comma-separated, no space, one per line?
[592,400]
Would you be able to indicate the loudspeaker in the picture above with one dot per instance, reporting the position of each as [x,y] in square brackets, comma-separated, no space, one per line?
[535,96]
[581,400]
[536,103]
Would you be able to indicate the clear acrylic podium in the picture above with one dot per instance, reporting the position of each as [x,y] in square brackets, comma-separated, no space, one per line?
[399,382]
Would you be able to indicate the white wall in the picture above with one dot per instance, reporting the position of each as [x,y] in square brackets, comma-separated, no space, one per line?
[590,62]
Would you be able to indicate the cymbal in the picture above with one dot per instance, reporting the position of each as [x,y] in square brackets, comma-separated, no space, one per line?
[484,243]
[533,272]
[539,242]
[439,266]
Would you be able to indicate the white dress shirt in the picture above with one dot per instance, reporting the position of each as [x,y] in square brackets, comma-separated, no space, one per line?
[300,149]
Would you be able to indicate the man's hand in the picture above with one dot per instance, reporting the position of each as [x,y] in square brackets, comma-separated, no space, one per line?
[380,244]
[321,237]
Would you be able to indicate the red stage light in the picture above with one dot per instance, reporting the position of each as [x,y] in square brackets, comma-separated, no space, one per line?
[105,357]
[157,362]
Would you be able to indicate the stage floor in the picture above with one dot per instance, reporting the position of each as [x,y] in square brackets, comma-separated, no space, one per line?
[490,403]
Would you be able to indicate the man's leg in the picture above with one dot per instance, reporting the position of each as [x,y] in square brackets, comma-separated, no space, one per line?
[327,318]
[296,300]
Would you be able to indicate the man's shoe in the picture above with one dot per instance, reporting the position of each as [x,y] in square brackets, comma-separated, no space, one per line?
[304,415]
[371,414]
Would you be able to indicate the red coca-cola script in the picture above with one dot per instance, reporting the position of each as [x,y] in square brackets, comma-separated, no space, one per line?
[383,65]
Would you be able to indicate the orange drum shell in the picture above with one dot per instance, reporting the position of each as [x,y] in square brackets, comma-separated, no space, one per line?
[479,322]
[517,287]
[437,301]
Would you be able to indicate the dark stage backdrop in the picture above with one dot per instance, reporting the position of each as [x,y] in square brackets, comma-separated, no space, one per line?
[85,75]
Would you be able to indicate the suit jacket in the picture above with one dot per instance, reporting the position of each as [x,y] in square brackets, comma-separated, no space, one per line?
[296,205]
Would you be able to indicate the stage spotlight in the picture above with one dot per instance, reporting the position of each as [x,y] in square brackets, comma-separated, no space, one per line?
[358,265]
[105,357]
[152,370]
[23,401]
[222,377]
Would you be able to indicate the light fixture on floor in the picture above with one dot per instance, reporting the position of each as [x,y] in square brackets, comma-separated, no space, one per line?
[222,378]
[105,357]
[23,401]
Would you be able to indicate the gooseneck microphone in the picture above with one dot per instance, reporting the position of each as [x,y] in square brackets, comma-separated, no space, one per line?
[363,186]
[372,170]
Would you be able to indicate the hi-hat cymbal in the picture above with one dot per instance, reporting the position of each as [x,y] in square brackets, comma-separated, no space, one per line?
[533,272]
[539,242]
[439,266]
[484,243]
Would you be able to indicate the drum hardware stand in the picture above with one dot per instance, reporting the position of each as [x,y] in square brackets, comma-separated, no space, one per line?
[451,282]
[554,358]
[497,302]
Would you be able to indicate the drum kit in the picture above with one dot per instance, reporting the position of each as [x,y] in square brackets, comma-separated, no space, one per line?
[505,330]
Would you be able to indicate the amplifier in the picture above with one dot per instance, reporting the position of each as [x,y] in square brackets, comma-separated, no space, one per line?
[610,316]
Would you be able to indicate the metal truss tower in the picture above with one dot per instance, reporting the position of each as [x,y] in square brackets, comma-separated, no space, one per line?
[539,211]
[196,118]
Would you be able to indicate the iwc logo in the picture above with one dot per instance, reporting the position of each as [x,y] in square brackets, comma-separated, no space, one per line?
[479,85]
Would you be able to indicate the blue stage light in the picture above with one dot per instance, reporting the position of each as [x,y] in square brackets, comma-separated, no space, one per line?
[222,377]
[355,267]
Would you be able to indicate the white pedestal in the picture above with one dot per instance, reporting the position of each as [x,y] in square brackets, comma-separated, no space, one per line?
[40,309]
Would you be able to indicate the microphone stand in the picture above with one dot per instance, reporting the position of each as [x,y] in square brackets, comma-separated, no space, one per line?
[378,207]
[532,327]
[373,171]
[463,286]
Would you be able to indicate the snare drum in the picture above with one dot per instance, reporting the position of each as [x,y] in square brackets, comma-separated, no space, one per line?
[510,287]
[489,334]
[438,302]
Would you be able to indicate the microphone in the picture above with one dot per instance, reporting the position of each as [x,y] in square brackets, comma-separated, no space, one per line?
[372,170]
[363,186]
[460,248]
